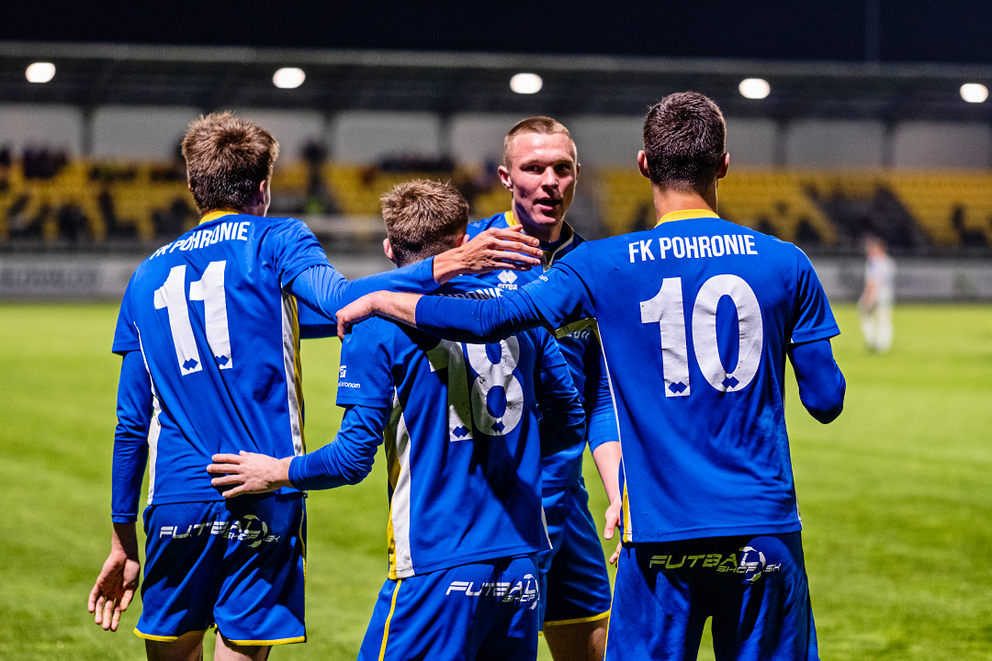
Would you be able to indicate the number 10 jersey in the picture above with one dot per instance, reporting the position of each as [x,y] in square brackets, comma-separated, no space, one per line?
[220,340]
[696,317]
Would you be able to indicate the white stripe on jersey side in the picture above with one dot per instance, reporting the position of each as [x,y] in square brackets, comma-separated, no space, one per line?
[294,373]
[399,506]
[627,525]
[154,425]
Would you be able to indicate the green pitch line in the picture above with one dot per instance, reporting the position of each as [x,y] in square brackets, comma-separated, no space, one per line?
[895,494]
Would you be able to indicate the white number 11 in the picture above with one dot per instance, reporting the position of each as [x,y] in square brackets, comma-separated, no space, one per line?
[210,290]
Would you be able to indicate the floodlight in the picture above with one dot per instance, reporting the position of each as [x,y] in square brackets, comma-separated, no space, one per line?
[754,88]
[974,92]
[526,83]
[40,72]
[288,78]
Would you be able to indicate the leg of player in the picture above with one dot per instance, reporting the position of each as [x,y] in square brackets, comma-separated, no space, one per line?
[227,650]
[187,647]
[582,640]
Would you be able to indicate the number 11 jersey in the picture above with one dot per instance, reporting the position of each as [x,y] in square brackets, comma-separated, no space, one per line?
[220,340]
[696,317]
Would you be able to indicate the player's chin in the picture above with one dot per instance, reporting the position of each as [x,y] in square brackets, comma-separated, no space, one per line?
[548,215]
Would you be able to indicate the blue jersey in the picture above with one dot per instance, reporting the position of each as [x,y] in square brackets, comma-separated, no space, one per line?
[219,338]
[462,426]
[210,337]
[582,353]
[696,318]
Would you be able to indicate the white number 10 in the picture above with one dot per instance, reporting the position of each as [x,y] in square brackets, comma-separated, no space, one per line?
[210,290]
[666,310]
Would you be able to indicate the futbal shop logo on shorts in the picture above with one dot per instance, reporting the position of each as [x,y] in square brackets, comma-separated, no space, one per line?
[248,528]
[525,591]
[752,562]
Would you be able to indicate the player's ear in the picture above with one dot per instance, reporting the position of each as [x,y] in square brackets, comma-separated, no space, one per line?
[642,164]
[261,194]
[388,249]
[504,178]
[724,166]
[465,239]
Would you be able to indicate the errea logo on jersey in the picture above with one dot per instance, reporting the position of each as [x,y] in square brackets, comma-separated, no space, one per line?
[342,371]
[507,280]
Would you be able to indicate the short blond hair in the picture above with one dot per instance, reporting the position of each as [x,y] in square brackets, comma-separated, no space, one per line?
[227,159]
[540,125]
[423,218]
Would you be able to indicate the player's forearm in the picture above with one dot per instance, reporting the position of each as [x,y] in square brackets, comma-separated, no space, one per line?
[607,457]
[476,320]
[124,539]
[325,290]
[821,383]
[348,459]
[130,437]
[600,415]
[563,420]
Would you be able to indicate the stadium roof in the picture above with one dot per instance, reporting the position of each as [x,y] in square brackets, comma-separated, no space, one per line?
[90,75]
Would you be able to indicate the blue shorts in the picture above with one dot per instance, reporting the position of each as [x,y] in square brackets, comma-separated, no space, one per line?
[238,564]
[575,586]
[754,588]
[486,610]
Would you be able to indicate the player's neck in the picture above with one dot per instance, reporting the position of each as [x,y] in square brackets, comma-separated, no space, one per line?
[667,200]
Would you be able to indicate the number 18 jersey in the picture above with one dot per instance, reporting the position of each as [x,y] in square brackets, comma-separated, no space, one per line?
[220,340]
[696,317]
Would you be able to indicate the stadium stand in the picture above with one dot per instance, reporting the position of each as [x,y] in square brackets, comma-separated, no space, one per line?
[834,209]
[822,210]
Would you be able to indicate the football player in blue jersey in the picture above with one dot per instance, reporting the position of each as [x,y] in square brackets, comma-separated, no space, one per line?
[698,317]
[464,427]
[209,335]
[540,169]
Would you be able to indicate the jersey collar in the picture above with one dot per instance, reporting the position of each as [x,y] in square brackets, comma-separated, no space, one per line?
[220,213]
[567,235]
[686,214]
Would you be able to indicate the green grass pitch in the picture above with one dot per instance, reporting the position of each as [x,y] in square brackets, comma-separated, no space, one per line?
[895,495]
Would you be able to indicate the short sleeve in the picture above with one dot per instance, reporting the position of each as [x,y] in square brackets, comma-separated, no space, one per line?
[813,318]
[365,376]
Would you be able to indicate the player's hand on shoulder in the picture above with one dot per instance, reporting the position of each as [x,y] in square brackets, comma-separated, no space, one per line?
[501,248]
[355,312]
[249,473]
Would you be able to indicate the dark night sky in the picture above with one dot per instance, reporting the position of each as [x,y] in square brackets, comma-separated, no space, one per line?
[908,30]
